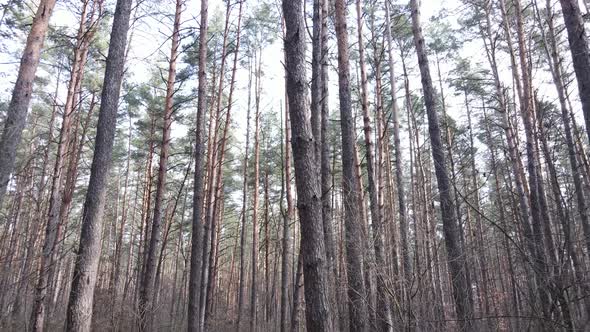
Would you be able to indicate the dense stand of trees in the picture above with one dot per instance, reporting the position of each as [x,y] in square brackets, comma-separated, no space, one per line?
[161,168]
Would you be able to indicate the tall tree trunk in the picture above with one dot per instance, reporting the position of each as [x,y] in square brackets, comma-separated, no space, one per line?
[38,198]
[242,282]
[60,198]
[79,316]
[456,256]
[221,155]
[212,179]
[47,263]
[286,244]
[254,262]
[539,219]
[383,313]
[551,50]
[357,299]
[318,314]
[269,288]
[119,241]
[197,226]
[499,203]
[399,183]
[524,206]
[16,115]
[482,260]
[145,213]
[326,172]
[147,282]
[76,142]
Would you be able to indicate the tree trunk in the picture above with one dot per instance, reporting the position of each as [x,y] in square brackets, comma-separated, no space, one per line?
[254,262]
[147,287]
[119,241]
[212,180]
[16,115]
[62,184]
[524,208]
[221,155]
[145,213]
[357,299]
[55,200]
[297,294]
[197,226]
[242,282]
[269,288]
[551,50]
[534,179]
[285,275]
[79,316]
[318,315]
[399,183]
[325,169]
[383,313]
[38,198]
[316,78]
[455,252]
[578,42]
